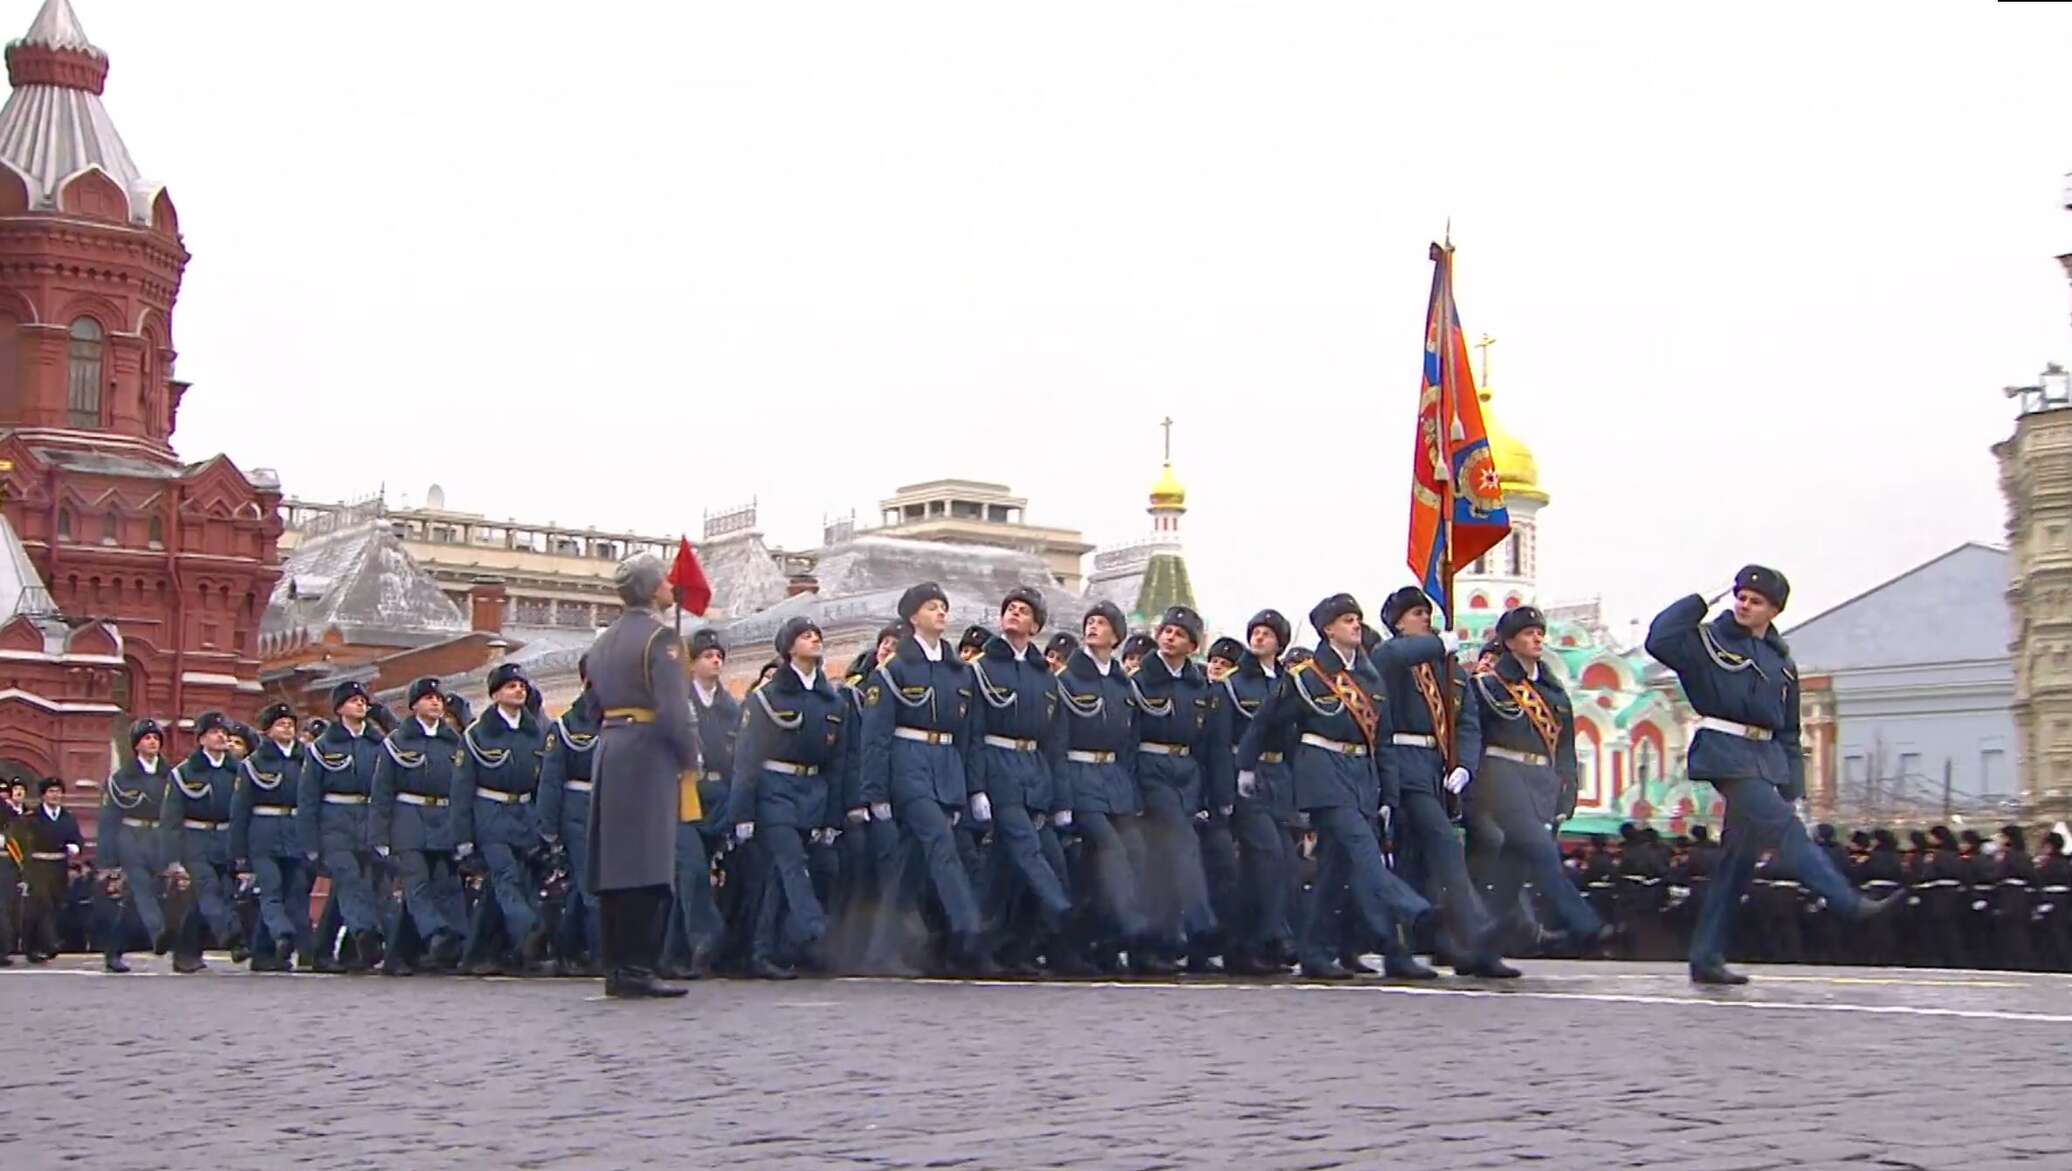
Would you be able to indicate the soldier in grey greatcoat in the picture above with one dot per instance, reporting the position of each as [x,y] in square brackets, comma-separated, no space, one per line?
[648,748]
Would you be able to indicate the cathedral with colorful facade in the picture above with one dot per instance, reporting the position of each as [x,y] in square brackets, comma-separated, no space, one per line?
[1632,723]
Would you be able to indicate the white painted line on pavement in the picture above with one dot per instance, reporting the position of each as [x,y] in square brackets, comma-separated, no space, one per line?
[1525,994]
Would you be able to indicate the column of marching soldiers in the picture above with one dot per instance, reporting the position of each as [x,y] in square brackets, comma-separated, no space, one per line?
[1100,802]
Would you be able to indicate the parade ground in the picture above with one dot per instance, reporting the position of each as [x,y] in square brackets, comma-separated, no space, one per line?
[1575,1065]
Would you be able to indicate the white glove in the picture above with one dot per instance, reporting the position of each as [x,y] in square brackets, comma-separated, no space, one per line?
[981,807]
[1385,819]
[383,851]
[1201,815]
[1225,810]
[882,811]
[71,848]
[859,815]
[1062,818]
[1457,780]
[1450,641]
[463,849]
[1247,784]
[744,831]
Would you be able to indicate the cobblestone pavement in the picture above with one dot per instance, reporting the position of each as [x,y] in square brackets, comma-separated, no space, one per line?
[1577,1065]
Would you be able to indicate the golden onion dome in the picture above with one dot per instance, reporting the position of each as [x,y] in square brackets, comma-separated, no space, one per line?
[1169,492]
[1515,466]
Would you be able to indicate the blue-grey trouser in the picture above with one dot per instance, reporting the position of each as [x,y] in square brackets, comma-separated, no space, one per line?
[1351,873]
[789,921]
[1759,819]
[694,920]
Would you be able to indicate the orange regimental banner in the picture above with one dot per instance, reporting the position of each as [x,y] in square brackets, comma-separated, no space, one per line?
[1456,500]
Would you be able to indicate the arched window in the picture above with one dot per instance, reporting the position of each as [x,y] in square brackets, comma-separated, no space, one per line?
[111,527]
[64,524]
[85,381]
[156,534]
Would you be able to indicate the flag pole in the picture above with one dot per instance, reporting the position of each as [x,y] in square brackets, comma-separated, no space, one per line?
[676,591]
[1448,410]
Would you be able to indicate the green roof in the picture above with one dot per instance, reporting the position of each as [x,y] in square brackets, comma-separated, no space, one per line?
[1165,584]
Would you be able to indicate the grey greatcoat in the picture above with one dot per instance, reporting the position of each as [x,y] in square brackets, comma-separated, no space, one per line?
[637,666]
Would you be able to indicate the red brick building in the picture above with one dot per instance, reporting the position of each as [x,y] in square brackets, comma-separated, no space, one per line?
[134,580]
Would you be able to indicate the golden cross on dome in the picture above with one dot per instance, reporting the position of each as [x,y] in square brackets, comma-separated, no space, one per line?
[1167,423]
[1483,345]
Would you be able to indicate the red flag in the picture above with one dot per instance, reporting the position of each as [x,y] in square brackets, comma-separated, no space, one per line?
[1457,508]
[693,592]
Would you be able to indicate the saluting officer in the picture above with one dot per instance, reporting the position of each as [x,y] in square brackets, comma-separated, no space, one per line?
[1740,678]
[411,825]
[1183,773]
[1094,760]
[1264,938]
[647,753]
[794,743]
[917,723]
[1017,711]
[1435,738]
[565,789]
[1526,781]
[264,844]
[195,822]
[331,819]
[1328,710]
[129,839]
[494,783]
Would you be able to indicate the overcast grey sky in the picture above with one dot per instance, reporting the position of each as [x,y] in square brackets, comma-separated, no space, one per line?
[1757,273]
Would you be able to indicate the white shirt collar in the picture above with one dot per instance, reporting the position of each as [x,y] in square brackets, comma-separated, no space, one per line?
[1271,668]
[510,721]
[805,677]
[215,759]
[1101,665]
[932,651]
[706,694]
[431,729]
[1176,672]
[1532,671]
[49,812]
[150,767]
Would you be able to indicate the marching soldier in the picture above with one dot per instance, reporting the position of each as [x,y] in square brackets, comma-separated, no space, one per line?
[1094,760]
[973,644]
[130,843]
[1526,781]
[1183,774]
[410,823]
[917,721]
[646,755]
[1329,711]
[1017,710]
[49,840]
[870,844]
[494,782]
[794,743]
[1263,939]
[697,930]
[195,822]
[1135,649]
[331,820]
[1435,735]
[1739,676]
[265,846]
[566,786]
[1059,650]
